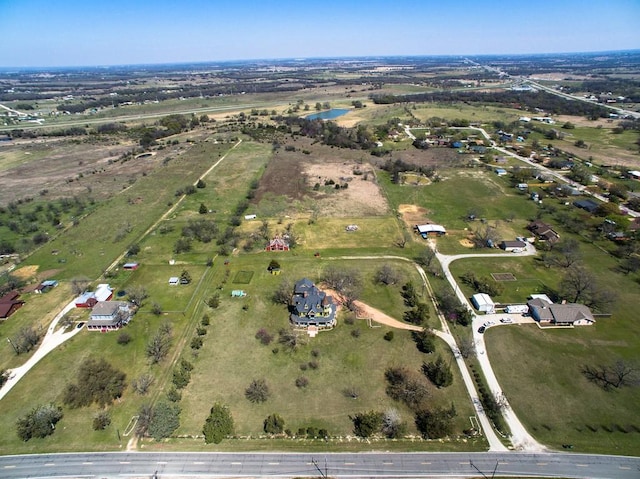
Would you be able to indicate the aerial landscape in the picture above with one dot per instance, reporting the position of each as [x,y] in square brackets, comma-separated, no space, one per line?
[250,240]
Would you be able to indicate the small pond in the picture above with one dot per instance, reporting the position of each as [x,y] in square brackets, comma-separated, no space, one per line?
[329,114]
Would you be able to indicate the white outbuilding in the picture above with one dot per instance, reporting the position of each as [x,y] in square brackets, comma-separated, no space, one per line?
[483,303]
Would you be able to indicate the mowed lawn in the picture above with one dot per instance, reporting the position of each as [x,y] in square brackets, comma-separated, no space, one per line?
[540,370]
[540,374]
[232,357]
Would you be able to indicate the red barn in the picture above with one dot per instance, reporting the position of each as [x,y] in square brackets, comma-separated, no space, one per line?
[278,244]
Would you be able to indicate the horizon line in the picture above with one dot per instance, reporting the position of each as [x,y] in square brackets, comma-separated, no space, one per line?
[308,59]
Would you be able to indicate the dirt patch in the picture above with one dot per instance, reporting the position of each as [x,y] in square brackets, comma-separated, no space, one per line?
[361,197]
[294,171]
[466,243]
[413,215]
[25,273]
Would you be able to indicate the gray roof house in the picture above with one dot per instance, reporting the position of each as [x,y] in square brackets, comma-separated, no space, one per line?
[569,314]
[109,316]
[514,245]
[311,307]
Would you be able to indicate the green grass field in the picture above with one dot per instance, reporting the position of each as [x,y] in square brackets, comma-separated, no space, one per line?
[538,370]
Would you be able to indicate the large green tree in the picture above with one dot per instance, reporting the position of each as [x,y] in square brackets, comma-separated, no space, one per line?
[97,381]
[366,424]
[165,419]
[40,422]
[218,424]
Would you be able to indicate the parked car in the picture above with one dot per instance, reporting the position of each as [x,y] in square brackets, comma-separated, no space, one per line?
[79,326]
[506,320]
[481,329]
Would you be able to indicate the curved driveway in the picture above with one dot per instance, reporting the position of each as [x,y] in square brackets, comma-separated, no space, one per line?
[520,438]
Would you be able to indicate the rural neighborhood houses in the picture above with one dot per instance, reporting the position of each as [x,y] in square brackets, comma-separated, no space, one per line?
[311,307]
[568,314]
[543,231]
[89,299]
[109,316]
[9,304]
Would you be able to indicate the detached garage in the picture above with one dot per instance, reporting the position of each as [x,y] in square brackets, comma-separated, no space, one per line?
[483,303]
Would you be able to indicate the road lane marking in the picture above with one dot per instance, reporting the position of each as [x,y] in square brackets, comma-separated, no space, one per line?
[273,463]
[87,463]
[50,464]
[198,462]
[425,463]
[624,467]
[349,463]
[582,465]
[125,462]
[161,462]
[236,463]
[9,467]
[542,463]
[387,463]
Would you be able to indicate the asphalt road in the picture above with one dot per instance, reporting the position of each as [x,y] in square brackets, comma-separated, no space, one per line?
[208,465]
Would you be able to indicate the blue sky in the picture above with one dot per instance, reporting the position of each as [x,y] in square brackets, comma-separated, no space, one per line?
[115,32]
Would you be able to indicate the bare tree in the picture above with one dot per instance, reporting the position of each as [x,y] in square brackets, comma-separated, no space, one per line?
[467,348]
[142,384]
[580,285]
[387,275]
[426,257]
[289,339]
[619,374]
[137,294]
[258,391]
[347,283]
[79,284]
[282,295]
[392,425]
[484,236]
[158,346]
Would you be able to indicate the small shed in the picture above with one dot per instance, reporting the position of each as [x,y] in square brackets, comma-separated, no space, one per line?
[46,286]
[131,266]
[483,303]
[174,280]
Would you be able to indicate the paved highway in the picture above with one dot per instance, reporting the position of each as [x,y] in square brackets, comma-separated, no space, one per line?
[209,465]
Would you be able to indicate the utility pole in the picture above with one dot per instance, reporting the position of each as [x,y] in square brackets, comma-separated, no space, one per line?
[13,345]
[323,474]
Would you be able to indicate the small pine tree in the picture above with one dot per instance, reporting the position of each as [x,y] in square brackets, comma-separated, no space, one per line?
[438,372]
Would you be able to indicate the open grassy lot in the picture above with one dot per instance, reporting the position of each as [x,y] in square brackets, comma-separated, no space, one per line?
[474,114]
[330,233]
[540,374]
[531,276]
[232,357]
[462,192]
